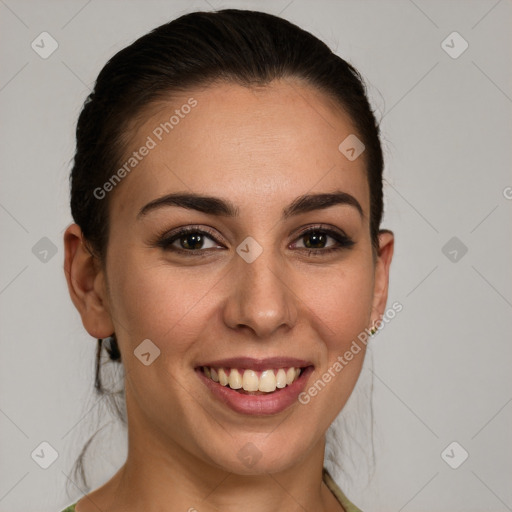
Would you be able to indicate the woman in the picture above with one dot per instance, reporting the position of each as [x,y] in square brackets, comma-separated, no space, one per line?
[227,198]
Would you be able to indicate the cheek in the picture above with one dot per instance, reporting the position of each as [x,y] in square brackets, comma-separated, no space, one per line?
[340,300]
[165,303]
[161,303]
[341,316]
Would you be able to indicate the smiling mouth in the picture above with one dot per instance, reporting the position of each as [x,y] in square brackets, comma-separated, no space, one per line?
[252,382]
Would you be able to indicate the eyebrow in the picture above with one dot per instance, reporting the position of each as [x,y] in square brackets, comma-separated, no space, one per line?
[225,208]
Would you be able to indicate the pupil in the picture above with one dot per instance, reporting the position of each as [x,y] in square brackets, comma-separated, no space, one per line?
[318,237]
[192,241]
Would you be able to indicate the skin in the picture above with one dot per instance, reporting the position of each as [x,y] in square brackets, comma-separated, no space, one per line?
[260,148]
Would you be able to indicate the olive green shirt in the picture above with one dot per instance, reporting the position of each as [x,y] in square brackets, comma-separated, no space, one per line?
[331,484]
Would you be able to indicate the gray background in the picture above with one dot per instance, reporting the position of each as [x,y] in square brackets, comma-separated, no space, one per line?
[441,368]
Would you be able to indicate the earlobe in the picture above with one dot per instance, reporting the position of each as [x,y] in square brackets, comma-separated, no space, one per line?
[86,284]
[380,294]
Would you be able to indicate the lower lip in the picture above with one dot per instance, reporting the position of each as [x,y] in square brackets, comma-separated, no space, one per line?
[272,403]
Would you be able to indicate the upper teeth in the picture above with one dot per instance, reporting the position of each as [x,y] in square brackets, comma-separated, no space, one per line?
[251,380]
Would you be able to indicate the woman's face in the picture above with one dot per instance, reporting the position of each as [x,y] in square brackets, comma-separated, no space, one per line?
[242,288]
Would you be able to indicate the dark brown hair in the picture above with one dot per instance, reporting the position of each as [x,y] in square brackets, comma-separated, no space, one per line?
[244,47]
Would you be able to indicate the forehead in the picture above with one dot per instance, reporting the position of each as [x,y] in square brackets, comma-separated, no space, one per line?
[256,146]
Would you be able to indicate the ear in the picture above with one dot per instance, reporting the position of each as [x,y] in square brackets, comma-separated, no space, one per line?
[380,293]
[86,284]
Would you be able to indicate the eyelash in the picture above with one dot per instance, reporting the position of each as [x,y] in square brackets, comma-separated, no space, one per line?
[164,241]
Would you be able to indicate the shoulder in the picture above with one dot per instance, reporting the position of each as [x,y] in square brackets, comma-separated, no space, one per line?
[71,508]
[347,505]
[331,484]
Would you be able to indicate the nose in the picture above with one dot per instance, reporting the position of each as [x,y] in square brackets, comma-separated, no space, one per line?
[261,297]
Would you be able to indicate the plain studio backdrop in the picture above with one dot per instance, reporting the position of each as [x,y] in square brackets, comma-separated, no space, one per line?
[440,79]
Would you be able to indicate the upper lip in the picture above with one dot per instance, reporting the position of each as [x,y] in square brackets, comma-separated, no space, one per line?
[250,363]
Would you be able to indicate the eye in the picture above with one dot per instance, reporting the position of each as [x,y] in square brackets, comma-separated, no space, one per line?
[315,241]
[188,240]
[194,241]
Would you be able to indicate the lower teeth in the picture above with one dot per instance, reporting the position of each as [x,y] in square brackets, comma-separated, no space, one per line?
[244,392]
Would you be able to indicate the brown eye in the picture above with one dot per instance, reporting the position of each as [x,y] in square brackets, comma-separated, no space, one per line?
[188,240]
[315,241]
[191,241]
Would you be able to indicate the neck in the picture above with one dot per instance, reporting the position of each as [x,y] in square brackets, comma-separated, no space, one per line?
[160,476]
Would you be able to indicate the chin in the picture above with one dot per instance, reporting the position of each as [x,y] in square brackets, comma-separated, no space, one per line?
[262,453]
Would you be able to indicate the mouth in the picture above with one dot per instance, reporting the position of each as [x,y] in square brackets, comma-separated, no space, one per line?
[252,382]
[256,387]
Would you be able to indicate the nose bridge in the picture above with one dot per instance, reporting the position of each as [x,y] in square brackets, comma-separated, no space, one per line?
[260,298]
